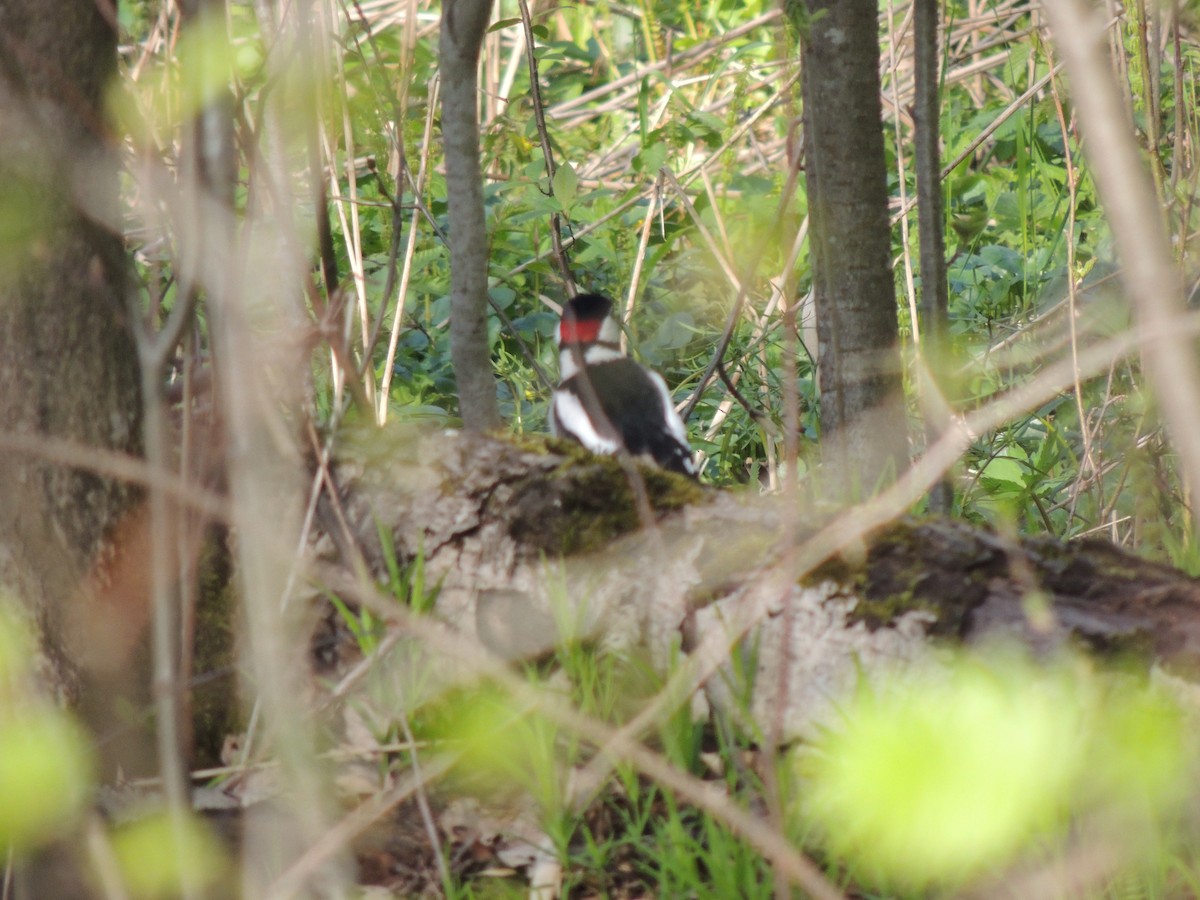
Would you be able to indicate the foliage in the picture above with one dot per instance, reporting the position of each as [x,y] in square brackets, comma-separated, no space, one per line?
[156,860]
[673,142]
[1021,228]
[898,788]
[45,760]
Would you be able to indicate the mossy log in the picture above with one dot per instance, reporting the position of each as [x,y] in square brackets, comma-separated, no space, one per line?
[535,541]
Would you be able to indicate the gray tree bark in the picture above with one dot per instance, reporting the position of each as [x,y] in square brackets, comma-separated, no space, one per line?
[463,26]
[931,222]
[863,429]
[68,364]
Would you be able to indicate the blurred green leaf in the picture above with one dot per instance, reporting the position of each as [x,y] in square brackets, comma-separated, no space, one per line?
[45,774]
[505,745]
[942,777]
[156,860]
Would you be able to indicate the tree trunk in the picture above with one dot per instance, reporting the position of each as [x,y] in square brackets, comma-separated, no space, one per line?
[931,225]
[68,364]
[463,25]
[862,407]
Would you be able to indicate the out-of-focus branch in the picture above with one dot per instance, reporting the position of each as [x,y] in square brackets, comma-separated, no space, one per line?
[208,169]
[1128,194]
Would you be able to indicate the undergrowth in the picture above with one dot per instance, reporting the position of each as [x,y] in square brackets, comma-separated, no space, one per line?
[673,126]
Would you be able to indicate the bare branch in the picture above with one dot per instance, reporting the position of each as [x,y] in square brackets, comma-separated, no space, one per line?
[1128,193]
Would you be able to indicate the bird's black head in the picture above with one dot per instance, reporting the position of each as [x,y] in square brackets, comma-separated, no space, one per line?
[589,307]
[583,319]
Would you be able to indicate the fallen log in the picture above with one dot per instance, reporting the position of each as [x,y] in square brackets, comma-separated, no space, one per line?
[534,542]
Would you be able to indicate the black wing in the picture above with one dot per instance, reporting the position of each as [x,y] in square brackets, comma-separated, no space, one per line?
[634,409]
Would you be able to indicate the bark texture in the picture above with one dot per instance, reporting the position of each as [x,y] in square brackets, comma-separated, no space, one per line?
[930,209]
[463,26]
[862,411]
[68,365]
[931,221]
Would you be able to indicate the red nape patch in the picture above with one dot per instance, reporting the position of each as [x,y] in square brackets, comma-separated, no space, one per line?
[578,331]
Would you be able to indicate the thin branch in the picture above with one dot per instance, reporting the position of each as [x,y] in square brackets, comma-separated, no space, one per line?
[389,284]
[539,113]
[1135,214]
[334,840]
[639,260]
[735,310]
[419,211]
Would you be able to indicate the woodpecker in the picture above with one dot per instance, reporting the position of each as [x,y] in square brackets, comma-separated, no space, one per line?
[605,400]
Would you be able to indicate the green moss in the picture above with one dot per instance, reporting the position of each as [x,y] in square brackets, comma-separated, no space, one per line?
[544,445]
[215,708]
[946,568]
[555,497]
[937,567]
[587,500]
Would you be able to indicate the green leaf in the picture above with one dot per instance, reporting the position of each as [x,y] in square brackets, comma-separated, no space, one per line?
[943,779]
[651,158]
[156,859]
[675,331]
[948,776]
[566,185]
[45,773]
[502,296]
[1004,470]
